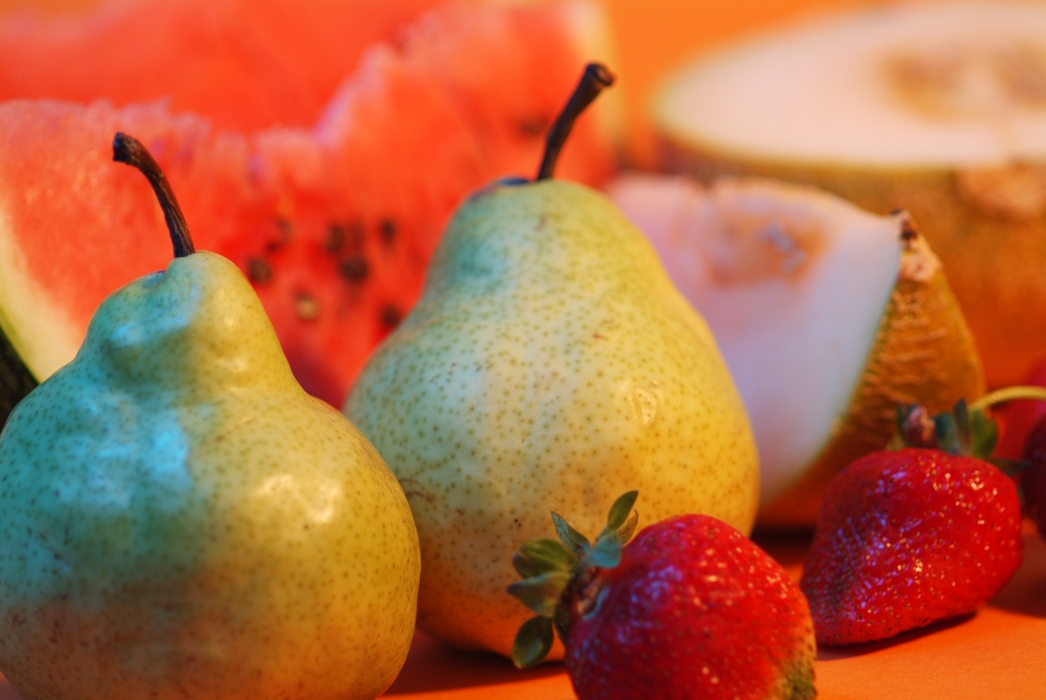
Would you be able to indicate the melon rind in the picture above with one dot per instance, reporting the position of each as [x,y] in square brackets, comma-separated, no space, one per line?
[976,185]
[36,329]
[994,260]
[793,283]
[924,353]
[823,351]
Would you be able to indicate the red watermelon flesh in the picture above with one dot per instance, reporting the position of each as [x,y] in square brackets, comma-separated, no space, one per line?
[334,224]
[245,64]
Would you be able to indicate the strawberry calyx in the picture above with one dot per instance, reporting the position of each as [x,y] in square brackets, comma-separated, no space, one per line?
[561,577]
[965,430]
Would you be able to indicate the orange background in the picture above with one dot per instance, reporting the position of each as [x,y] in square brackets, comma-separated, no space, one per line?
[1000,652]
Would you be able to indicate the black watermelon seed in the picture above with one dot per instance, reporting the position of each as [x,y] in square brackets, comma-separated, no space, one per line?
[388,230]
[258,271]
[335,238]
[391,316]
[286,230]
[355,269]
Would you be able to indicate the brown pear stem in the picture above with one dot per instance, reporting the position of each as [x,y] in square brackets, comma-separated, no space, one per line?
[595,78]
[129,150]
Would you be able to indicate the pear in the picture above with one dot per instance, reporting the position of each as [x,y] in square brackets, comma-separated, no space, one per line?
[180,519]
[828,316]
[550,364]
[937,108]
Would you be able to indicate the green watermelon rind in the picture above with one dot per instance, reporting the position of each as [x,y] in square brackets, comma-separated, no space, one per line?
[26,306]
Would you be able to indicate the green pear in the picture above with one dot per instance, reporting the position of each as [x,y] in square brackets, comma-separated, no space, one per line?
[549,365]
[180,519]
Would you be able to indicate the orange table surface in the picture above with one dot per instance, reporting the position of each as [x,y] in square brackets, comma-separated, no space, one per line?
[998,652]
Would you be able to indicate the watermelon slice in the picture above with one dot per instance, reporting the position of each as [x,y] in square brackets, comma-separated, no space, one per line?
[245,64]
[334,224]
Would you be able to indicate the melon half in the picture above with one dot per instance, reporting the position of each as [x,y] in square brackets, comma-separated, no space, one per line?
[828,317]
[936,108]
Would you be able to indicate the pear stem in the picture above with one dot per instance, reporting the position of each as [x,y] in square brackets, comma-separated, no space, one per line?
[129,150]
[595,78]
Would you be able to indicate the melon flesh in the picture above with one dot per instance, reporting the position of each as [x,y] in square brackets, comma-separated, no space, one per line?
[334,224]
[793,285]
[930,85]
[936,108]
[801,291]
[245,64]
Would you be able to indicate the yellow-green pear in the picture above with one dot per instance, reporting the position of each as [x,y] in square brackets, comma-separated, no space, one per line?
[181,520]
[550,365]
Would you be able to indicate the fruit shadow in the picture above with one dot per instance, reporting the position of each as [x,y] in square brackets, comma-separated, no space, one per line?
[787,547]
[433,666]
[838,653]
[7,692]
[1025,594]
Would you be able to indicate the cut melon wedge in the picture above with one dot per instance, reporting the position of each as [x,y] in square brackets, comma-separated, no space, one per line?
[827,315]
[936,108]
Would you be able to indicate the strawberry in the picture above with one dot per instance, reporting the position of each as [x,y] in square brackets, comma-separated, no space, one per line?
[908,537]
[690,609]
[1033,479]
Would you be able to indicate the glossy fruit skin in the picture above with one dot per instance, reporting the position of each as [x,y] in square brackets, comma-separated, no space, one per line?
[180,519]
[550,364]
[906,538]
[694,610]
[1033,478]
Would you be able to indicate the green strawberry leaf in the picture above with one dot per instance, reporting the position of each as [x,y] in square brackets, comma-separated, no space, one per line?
[984,434]
[1010,467]
[620,511]
[541,556]
[533,642]
[525,567]
[574,540]
[947,431]
[541,593]
[626,531]
[605,553]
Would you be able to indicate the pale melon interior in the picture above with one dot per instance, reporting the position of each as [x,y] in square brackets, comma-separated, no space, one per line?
[793,282]
[913,84]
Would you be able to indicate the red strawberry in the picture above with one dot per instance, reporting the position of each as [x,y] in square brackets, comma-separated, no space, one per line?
[690,609]
[908,537]
[1033,478]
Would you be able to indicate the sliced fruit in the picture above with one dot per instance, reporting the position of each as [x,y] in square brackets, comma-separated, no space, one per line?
[244,64]
[936,108]
[828,317]
[335,224]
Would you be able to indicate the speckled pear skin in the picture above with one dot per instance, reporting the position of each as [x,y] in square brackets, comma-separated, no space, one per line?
[550,365]
[180,519]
